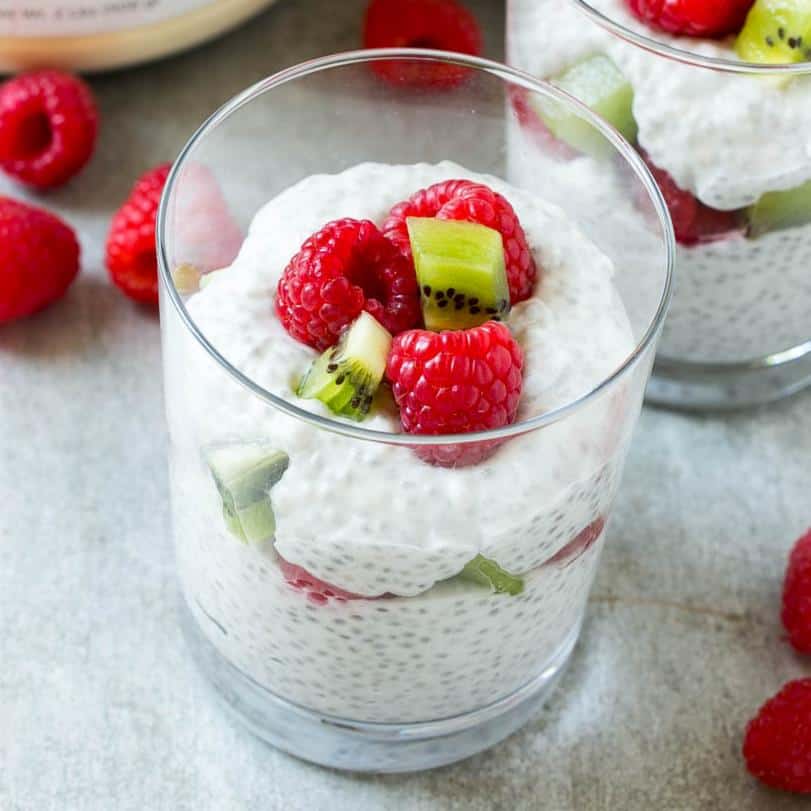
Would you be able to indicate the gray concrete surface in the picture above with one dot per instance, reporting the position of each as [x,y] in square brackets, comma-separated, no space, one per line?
[100,708]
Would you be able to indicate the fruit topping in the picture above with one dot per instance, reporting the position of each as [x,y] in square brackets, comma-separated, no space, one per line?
[39,258]
[488,573]
[600,85]
[244,473]
[444,25]
[470,202]
[48,127]
[346,376]
[776,31]
[340,271]
[579,544]
[777,746]
[456,382]
[797,595]
[694,222]
[460,272]
[131,257]
[780,209]
[694,18]
[317,590]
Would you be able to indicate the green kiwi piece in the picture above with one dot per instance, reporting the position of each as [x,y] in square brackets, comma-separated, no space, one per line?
[244,473]
[346,377]
[776,32]
[461,272]
[487,572]
[601,86]
[780,209]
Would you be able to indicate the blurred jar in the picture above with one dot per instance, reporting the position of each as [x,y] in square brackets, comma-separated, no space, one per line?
[95,35]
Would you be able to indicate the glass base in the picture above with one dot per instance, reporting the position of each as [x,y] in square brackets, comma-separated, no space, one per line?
[714,387]
[369,747]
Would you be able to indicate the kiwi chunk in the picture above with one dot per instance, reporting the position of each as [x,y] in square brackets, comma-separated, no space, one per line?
[780,209]
[487,572]
[776,32]
[244,473]
[346,377]
[601,86]
[461,272]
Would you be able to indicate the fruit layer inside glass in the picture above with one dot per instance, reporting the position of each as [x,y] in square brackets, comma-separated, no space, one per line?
[743,226]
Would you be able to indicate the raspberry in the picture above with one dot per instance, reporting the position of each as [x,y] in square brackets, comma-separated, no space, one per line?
[579,544]
[777,745]
[473,202]
[797,595]
[693,222]
[695,18]
[346,267]
[39,258]
[48,127]
[317,591]
[456,382]
[131,256]
[443,25]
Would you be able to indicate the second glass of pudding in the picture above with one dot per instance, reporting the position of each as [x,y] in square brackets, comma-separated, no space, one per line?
[728,141]
[400,393]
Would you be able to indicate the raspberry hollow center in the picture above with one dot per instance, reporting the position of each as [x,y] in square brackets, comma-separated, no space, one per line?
[33,136]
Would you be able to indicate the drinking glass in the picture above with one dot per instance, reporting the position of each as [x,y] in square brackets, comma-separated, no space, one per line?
[728,140]
[350,601]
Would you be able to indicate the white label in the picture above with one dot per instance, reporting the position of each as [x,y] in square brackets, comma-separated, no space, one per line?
[50,18]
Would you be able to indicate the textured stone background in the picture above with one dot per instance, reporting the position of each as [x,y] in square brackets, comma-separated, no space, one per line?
[100,708]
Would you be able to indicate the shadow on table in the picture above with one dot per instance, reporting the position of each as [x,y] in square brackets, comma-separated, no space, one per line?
[604,721]
[80,324]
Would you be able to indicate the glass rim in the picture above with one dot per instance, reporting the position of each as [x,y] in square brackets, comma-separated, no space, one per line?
[499,71]
[686,57]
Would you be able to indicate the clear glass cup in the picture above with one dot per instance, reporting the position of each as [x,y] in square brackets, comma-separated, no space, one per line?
[448,599]
[735,135]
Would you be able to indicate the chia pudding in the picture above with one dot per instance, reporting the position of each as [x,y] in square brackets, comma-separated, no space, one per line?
[360,604]
[732,154]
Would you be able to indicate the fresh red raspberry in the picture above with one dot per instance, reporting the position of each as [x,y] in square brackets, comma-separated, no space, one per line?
[473,202]
[797,595]
[39,258]
[777,745]
[317,591]
[694,18]
[48,127]
[131,256]
[456,382]
[346,267]
[443,25]
[693,222]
